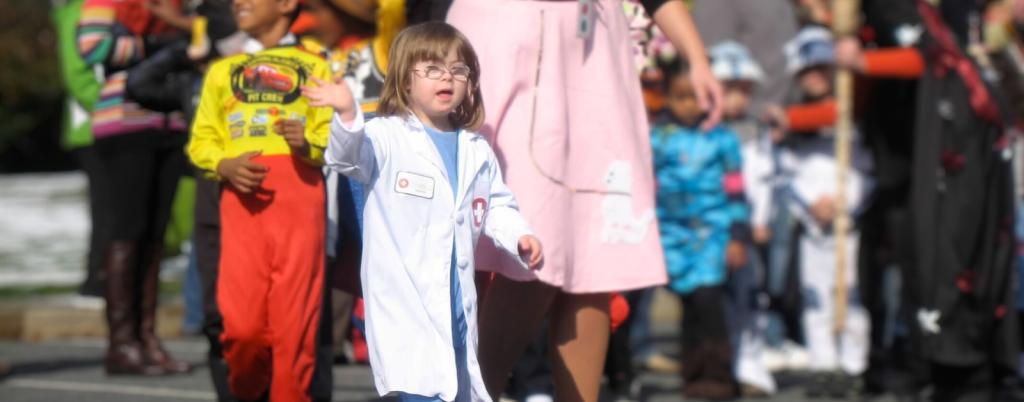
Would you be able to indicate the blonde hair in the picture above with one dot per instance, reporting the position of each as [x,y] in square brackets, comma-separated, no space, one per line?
[430,41]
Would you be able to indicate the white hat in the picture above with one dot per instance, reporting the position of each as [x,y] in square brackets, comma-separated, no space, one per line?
[813,46]
[731,61]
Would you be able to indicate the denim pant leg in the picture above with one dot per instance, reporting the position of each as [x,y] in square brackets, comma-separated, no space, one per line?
[193,292]
[641,342]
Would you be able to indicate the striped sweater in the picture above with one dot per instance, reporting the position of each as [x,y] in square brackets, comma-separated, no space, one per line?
[114,113]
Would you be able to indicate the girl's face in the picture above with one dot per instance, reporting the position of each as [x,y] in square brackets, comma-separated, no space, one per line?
[437,89]
[682,102]
[816,81]
[736,99]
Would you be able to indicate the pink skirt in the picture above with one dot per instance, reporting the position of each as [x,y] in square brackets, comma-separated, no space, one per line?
[577,155]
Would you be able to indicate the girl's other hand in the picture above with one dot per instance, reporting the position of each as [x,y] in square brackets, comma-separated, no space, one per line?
[530,251]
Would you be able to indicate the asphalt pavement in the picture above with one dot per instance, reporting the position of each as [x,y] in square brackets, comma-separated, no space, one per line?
[72,371]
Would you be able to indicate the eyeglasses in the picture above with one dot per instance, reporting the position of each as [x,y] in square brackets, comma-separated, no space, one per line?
[459,73]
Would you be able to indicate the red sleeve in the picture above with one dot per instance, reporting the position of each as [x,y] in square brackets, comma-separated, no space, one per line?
[893,63]
[304,24]
[811,116]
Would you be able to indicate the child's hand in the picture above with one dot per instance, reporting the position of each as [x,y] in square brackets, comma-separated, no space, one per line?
[762,235]
[775,116]
[849,54]
[241,172]
[336,95]
[294,133]
[735,255]
[824,211]
[530,251]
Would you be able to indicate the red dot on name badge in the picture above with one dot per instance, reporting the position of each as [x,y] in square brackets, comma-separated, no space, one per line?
[403,183]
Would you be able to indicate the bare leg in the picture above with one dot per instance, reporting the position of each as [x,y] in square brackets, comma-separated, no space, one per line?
[580,329]
[510,316]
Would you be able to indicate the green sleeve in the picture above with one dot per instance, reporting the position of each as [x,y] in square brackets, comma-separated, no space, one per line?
[79,79]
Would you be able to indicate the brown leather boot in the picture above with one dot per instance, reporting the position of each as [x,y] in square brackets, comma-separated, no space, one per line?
[124,355]
[713,380]
[152,350]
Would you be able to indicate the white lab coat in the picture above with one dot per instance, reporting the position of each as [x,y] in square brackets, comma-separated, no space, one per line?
[407,247]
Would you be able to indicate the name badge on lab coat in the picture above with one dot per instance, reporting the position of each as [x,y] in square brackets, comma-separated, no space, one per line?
[415,185]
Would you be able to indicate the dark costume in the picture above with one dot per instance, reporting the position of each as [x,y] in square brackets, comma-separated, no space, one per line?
[944,206]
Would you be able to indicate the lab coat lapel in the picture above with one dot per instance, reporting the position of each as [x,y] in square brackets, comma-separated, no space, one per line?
[424,146]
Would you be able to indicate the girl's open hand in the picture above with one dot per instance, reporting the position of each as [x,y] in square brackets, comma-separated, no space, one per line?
[332,94]
[530,251]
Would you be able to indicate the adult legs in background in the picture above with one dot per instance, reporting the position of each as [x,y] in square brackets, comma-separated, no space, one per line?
[144,181]
[321,387]
[963,384]
[207,248]
[532,380]
[618,366]
[170,165]
[100,216]
[707,354]
[579,334]
[641,341]
[193,321]
[511,314]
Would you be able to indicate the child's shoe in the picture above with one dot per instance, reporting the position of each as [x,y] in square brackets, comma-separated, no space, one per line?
[845,386]
[820,384]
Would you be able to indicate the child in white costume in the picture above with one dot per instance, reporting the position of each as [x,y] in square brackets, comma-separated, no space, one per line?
[433,188]
[837,359]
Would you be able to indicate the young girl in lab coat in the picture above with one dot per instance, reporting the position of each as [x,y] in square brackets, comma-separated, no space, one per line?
[433,187]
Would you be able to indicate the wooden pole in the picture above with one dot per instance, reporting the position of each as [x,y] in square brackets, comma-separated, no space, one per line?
[845,22]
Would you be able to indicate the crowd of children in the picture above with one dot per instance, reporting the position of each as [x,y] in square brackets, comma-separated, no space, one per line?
[347,169]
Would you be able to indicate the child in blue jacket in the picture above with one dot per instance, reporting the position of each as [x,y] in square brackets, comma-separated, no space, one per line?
[704,224]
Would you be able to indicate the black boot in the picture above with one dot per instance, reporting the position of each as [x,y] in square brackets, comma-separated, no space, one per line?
[709,376]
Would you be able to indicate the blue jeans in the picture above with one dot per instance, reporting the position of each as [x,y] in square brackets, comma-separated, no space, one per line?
[193,290]
[640,341]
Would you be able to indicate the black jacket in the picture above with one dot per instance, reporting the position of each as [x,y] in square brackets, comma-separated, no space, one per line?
[165,81]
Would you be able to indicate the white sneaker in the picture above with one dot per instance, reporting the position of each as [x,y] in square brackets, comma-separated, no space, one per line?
[773,359]
[539,398]
[790,356]
[797,358]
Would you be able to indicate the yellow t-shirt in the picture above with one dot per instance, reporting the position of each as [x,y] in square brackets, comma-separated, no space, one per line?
[244,95]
